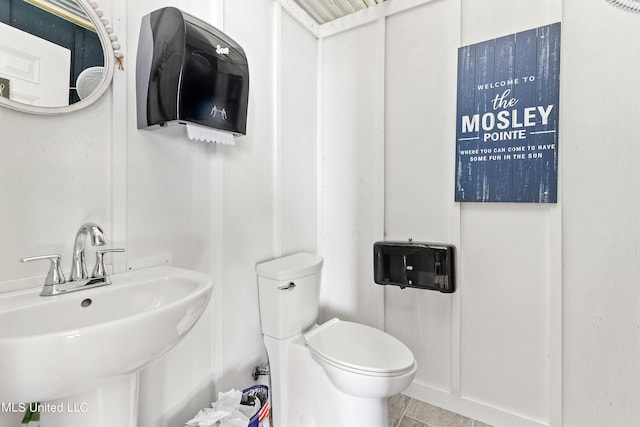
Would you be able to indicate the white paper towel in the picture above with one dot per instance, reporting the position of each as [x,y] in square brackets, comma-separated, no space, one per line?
[206,134]
[223,413]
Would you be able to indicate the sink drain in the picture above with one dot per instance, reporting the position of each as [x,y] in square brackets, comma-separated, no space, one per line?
[86,303]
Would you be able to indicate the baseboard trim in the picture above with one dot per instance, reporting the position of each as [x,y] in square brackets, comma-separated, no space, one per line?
[491,415]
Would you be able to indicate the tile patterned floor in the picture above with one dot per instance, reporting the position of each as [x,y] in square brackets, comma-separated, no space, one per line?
[407,412]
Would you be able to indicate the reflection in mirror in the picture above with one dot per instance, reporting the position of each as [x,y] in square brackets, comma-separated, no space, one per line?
[53,53]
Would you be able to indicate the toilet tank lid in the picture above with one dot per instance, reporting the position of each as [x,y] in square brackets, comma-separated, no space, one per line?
[290,267]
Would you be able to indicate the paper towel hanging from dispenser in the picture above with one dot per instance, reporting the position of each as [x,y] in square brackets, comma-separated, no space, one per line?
[190,73]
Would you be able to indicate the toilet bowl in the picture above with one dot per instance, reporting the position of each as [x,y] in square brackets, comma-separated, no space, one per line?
[338,373]
[361,360]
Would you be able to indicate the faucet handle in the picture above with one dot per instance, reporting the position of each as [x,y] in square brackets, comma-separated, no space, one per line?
[55,275]
[100,270]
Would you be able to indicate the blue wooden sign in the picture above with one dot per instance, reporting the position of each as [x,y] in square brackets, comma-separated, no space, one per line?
[507,119]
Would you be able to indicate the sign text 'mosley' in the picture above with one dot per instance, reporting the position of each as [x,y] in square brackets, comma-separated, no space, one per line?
[506,119]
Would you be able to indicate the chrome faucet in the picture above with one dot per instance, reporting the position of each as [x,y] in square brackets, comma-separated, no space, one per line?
[78,265]
[55,282]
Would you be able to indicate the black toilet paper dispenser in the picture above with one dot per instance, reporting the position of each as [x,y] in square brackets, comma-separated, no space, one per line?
[415,265]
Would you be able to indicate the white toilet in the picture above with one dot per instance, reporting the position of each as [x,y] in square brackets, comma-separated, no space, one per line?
[338,374]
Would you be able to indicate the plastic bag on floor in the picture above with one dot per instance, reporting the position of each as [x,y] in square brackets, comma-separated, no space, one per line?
[257,398]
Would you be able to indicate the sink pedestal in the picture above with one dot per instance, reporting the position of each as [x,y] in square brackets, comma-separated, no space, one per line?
[114,404]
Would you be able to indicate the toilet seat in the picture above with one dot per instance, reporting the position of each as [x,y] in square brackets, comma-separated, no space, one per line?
[359,349]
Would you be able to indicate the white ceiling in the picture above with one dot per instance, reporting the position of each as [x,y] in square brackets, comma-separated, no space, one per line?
[323,11]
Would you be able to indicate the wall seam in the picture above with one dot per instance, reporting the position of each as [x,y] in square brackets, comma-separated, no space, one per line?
[380,151]
[456,239]
[218,362]
[320,238]
[118,155]
[277,132]
[555,279]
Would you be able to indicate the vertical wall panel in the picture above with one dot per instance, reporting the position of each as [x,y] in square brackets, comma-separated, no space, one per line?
[169,204]
[249,193]
[420,128]
[504,307]
[503,370]
[298,166]
[505,250]
[350,203]
[601,230]
[506,258]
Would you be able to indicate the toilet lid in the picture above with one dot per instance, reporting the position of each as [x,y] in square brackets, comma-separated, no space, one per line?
[359,347]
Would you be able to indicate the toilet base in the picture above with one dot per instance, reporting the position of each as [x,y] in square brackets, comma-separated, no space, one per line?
[303,396]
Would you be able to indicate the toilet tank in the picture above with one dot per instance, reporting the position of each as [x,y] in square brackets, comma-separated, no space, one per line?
[289,292]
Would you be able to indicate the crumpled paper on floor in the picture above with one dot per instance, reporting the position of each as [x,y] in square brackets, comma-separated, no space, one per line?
[225,412]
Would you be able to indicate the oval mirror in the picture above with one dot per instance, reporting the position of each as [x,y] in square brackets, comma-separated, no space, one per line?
[56,56]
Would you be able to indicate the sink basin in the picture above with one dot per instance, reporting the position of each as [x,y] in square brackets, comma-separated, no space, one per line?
[56,347]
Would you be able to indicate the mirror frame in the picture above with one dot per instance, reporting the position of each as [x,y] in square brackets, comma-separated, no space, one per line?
[111,52]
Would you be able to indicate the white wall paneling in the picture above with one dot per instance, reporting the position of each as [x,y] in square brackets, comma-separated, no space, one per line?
[164,197]
[297,166]
[378,150]
[249,194]
[351,144]
[456,299]
[420,76]
[601,226]
[320,185]
[171,202]
[490,349]
[54,176]
[505,307]
[118,157]
[276,112]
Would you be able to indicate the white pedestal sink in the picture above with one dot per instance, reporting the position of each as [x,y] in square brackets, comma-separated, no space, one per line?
[64,349]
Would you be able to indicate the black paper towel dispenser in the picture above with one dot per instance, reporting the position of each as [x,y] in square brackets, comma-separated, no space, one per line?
[189,71]
[415,265]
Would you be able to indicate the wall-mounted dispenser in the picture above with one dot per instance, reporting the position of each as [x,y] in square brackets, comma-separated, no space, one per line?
[415,265]
[189,72]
